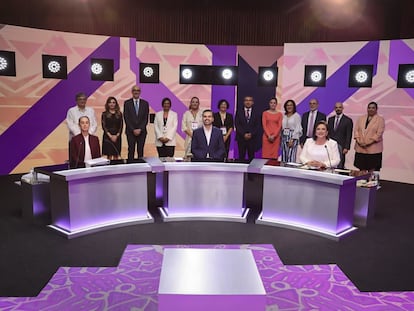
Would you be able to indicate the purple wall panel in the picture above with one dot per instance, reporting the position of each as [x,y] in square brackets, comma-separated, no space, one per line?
[329,95]
[45,115]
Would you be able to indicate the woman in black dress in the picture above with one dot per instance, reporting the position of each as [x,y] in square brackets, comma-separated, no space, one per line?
[224,121]
[112,124]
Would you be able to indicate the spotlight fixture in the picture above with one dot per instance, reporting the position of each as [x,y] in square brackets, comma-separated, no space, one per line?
[149,73]
[405,76]
[224,75]
[267,76]
[7,63]
[54,67]
[227,74]
[187,73]
[315,75]
[102,69]
[360,75]
[210,75]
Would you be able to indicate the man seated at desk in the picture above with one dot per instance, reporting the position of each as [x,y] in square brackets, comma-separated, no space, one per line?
[83,146]
[207,143]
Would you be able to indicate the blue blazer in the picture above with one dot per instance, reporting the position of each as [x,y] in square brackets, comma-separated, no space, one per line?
[215,149]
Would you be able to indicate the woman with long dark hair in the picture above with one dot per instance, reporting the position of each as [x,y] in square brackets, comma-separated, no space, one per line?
[112,125]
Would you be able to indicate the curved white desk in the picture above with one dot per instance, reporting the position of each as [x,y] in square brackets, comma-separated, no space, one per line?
[313,201]
[204,191]
[92,199]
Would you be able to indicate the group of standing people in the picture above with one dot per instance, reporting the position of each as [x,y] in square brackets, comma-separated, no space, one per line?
[324,142]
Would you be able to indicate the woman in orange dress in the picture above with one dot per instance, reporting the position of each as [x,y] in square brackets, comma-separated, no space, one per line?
[272,125]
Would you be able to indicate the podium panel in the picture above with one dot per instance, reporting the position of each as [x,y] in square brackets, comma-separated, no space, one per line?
[93,199]
[210,279]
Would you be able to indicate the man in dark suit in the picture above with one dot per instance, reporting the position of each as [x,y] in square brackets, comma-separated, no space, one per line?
[248,122]
[136,112]
[340,129]
[207,142]
[83,146]
[310,119]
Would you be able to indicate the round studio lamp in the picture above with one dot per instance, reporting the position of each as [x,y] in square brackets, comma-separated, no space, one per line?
[227,74]
[3,63]
[361,76]
[187,73]
[409,76]
[148,71]
[53,66]
[316,76]
[268,75]
[96,68]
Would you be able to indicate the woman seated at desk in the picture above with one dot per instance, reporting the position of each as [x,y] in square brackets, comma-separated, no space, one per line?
[84,146]
[320,151]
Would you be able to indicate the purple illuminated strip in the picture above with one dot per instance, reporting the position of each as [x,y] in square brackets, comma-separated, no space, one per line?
[45,115]
[154,93]
[224,55]
[337,89]
[400,53]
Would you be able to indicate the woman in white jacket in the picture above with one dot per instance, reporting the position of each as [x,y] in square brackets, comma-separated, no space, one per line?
[165,127]
[320,151]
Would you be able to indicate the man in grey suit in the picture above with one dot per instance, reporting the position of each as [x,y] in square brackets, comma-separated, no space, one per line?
[310,119]
[340,129]
[136,112]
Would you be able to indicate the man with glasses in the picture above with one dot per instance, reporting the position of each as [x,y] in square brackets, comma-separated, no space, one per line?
[310,119]
[136,111]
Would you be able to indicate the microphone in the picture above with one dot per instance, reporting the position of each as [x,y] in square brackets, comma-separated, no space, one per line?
[329,158]
[116,149]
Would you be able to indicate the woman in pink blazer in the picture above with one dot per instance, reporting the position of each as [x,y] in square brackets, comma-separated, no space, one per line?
[368,133]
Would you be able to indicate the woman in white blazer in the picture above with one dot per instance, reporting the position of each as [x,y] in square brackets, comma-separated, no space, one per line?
[320,151]
[165,127]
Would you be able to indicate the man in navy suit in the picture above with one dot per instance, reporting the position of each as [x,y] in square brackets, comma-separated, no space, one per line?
[340,129]
[310,119]
[136,112]
[248,123]
[207,142]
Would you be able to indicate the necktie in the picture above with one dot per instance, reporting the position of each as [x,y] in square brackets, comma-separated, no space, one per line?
[136,106]
[336,123]
[311,122]
[248,114]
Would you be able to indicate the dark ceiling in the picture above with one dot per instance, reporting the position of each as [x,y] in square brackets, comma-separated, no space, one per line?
[255,22]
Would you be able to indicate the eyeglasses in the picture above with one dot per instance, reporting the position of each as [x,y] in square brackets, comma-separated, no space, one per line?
[135,90]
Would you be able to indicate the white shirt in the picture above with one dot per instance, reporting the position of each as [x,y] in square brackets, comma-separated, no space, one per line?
[72,120]
[207,132]
[88,154]
[328,155]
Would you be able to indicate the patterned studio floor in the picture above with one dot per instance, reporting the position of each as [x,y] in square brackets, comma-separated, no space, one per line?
[133,285]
